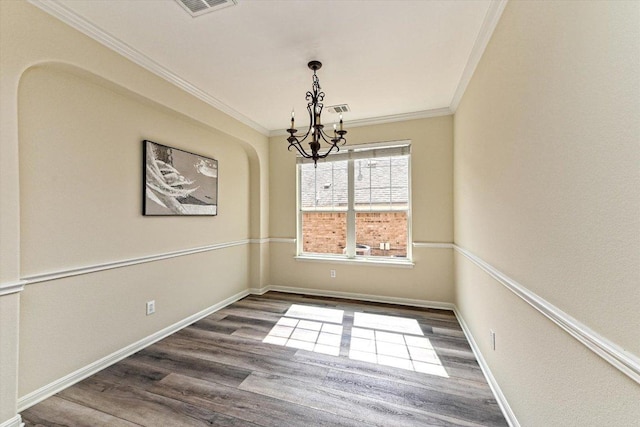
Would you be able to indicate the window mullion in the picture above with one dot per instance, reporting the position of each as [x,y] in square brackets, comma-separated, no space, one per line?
[351,213]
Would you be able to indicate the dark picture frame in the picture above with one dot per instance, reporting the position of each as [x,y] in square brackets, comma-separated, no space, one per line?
[178,182]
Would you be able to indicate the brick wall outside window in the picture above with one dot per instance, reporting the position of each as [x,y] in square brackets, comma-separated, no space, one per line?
[326,232]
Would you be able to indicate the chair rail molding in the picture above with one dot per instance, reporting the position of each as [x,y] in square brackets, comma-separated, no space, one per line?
[433,245]
[626,362]
[60,274]
[11,288]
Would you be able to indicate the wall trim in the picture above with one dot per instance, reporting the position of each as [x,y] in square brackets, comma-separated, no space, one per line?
[402,117]
[493,384]
[433,245]
[60,384]
[624,361]
[482,40]
[282,240]
[13,422]
[60,274]
[11,288]
[79,23]
[259,241]
[355,296]
[69,17]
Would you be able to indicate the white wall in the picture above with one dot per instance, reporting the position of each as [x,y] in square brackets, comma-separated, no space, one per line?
[546,191]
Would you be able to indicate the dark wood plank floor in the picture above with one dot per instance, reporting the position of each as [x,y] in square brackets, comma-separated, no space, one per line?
[219,372]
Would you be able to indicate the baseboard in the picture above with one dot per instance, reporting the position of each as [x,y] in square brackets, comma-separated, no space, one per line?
[59,385]
[13,422]
[617,356]
[50,389]
[493,384]
[355,296]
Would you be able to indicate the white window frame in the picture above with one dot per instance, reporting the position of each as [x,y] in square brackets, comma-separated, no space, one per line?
[353,153]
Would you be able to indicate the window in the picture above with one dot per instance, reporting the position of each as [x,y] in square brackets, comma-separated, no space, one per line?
[356,203]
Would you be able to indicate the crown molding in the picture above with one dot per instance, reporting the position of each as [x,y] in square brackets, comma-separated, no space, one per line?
[403,117]
[482,40]
[79,23]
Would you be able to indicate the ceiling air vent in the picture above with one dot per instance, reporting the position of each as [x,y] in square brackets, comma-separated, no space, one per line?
[200,7]
[338,109]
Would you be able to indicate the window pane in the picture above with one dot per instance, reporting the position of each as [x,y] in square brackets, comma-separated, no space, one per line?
[324,232]
[400,182]
[382,184]
[324,187]
[386,230]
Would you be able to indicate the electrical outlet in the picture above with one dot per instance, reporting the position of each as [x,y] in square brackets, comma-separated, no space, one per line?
[492,337]
[333,274]
[151,307]
[382,246]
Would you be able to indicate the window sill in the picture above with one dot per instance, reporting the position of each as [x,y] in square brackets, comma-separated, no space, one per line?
[396,263]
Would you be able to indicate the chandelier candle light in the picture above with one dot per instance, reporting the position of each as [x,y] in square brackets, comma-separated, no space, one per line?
[316,128]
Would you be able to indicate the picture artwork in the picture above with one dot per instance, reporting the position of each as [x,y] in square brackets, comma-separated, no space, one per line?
[178,182]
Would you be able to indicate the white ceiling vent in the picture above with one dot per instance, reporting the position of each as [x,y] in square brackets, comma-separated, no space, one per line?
[338,109]
[200,7]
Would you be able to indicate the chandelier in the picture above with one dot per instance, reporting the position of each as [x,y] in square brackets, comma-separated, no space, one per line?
[316,129]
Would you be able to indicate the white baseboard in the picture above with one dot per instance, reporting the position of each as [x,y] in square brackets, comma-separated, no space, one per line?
[62,383]
[617,356]
[355,296]
[42,393]
[13,422]
[493,384]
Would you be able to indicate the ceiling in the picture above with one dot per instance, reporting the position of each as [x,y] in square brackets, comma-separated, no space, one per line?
[388,60]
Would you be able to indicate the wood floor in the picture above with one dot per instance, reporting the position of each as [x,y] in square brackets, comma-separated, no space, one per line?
[219,372]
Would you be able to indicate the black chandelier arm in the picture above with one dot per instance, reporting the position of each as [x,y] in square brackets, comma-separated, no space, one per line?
[296,144]
[327,138]
[322,156]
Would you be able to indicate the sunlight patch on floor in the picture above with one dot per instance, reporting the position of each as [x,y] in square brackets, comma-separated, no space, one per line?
[413,353]
[319,314]
[380,339]
[381,322]
[309,328]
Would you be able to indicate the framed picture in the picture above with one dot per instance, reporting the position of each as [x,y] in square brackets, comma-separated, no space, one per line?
[177,182]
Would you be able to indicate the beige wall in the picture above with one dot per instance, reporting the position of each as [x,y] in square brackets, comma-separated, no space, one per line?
[432,218]
[80,199]
[546,177]
[546,191]
[73,114]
